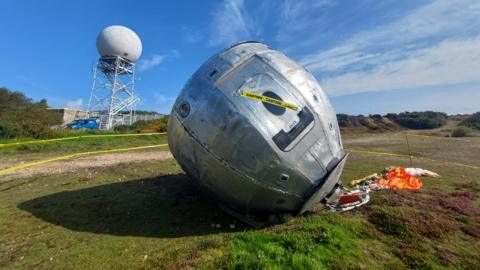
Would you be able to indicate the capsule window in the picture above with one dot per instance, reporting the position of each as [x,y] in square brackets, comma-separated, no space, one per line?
[274,109]
[184,109]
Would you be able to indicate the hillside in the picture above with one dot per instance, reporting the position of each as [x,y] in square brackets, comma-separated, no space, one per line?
[366,123]
[472,121]
[436,122]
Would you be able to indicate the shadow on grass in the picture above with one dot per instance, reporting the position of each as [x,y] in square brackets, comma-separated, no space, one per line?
[165,206]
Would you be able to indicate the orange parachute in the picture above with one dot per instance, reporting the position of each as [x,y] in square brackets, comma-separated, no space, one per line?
[398,178]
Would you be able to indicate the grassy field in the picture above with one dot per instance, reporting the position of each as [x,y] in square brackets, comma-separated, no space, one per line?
[32,152]
[149,215]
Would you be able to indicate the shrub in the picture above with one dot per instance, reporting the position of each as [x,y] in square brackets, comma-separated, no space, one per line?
[462,131]
[343,120]
[157,125]
[369,123]
[473,121]
[419,120]
[20,116]
[8,130]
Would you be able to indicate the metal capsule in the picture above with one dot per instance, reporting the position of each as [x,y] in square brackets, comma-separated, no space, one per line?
[257,132]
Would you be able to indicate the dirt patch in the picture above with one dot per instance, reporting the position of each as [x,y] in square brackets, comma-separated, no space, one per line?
[93,161]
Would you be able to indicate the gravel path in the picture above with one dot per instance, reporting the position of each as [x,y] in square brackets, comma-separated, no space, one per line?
[93,161]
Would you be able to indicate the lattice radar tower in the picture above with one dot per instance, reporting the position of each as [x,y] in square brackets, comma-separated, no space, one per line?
[113,98]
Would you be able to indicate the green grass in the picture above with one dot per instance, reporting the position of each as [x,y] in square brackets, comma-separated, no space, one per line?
[151,216]
[98,218]
[324,240]
[61,133]
[33,152]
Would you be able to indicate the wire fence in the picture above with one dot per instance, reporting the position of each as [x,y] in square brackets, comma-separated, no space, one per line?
[147,117]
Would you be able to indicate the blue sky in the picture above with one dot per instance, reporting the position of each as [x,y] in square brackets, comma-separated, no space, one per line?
[369,56]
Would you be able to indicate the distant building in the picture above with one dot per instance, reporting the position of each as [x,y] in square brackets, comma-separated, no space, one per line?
[69,114]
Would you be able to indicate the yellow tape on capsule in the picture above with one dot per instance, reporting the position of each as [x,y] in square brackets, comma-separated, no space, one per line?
[270,100]
[36,163]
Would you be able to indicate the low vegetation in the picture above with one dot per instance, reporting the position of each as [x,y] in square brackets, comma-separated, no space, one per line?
[22,117]
[419,120]
[40,151]
[143,112]
[157,125]
[462,131]
[391,121]
[472,121]
[374,122]
[468,126]
[150,215]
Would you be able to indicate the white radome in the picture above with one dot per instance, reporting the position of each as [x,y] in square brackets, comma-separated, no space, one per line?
[120,41]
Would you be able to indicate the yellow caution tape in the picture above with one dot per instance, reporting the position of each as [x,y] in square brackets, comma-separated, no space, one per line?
[123,135]
[376,153]
[437,137]
[246,94]
[79,137]
[14,168]
[270,100]
[401,155]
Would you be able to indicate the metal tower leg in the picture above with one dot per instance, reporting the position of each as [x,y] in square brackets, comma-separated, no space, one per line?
[112,97]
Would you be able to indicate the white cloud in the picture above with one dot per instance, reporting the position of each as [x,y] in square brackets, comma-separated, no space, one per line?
[162,99]
[190,35]
[335,59]
[450,62]
[75,104]
[230,23]
[428,23]
[464,99]
[149,63]
[164,103]
[155,60]
[298,16]
[434,44]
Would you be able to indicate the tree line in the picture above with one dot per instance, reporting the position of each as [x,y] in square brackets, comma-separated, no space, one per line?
[21,116]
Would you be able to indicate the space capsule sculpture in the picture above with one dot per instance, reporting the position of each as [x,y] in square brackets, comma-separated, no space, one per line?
[256,131]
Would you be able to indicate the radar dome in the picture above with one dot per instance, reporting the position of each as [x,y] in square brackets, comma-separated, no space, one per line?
[120,41]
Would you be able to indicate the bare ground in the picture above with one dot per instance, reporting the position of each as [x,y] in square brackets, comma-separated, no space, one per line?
[91,161]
